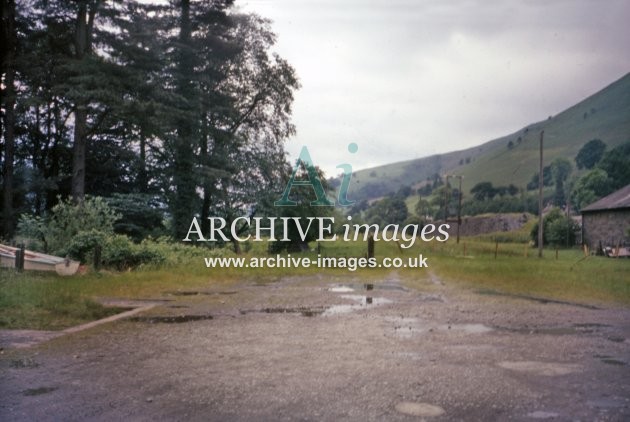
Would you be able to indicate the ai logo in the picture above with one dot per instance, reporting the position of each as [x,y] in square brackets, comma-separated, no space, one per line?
[316,183]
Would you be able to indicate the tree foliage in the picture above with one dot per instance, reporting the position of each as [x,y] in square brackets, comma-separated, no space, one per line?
[547,179]
[558,230]
[483,190]
[183,102]
[590,187]
[616,164]
[389,210]
[55,232]
[303,195]
[590,154]
[560,169]
[611,173]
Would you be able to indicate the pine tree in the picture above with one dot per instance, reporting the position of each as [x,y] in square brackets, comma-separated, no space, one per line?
[9,41]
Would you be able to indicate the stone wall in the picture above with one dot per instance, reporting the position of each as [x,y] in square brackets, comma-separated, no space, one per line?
[610,227]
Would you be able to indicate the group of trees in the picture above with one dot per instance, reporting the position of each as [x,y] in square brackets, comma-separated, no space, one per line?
[607,172]
[555,174]
[558,230]
[177,105]
[484,190]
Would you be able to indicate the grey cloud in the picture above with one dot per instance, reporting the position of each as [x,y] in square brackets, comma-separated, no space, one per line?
[411,78]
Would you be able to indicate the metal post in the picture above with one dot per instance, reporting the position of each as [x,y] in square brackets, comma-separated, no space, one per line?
[459,207]
[446,198]
[540,198]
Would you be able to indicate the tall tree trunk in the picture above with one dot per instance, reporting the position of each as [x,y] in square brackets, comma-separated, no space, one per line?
[52,169]
[8,20]
[204,158]
[205,209]
[82,44]
[143,179]
[78,154]
[38,153]
[184,179]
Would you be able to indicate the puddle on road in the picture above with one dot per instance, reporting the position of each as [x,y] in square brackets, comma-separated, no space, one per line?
[547,369]
[591,325]
[410,329]
[540,414]
[170,319]
[361,302]
[606,403]
[23,363]
[425,410]
[554,331]
[610,360]
[353,287]
[341,289]
[575,329]
[197,293]
[304,311]
[186,293]
[38,391]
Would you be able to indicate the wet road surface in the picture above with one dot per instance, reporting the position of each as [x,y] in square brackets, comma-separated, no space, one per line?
[322,348]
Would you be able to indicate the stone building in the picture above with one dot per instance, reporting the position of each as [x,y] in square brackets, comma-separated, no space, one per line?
[607,220]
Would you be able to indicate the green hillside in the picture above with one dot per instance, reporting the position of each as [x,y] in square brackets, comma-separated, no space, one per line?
[604,115]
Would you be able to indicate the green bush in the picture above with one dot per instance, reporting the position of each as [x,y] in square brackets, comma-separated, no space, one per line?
[82,245]
[75,230]
[558,229]
[141,215]
[54,233]
[561,232]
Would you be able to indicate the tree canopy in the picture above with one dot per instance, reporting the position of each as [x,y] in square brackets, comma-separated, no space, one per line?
[181,102]
[590,154]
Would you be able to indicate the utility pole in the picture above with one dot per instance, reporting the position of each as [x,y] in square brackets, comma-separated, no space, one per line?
[446,197]
[459,203]
[459,207]
[540,198]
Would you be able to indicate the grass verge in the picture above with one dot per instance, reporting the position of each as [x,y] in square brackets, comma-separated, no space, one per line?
[47,301]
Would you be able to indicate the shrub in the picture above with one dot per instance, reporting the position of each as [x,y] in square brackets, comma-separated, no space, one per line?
[141,215]
[53,234]
[82,245]
[562,232]
[558,229]
[75,230]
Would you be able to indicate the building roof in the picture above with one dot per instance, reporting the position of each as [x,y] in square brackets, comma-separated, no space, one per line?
[616,200]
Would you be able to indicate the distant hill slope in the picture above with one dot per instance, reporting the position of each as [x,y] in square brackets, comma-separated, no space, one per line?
[604,115]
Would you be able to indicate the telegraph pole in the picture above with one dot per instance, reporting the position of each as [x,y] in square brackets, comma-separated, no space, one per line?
[540,198]
[446,198]
[459,207]
[459,203]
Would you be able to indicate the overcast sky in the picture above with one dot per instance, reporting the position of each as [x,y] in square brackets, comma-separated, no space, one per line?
[405,79]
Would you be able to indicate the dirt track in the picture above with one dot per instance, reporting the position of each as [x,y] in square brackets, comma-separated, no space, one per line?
[318,348]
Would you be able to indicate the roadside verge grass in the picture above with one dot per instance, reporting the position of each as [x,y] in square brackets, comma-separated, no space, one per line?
[46,301]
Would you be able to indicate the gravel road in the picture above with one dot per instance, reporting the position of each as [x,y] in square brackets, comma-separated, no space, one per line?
[321,348]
